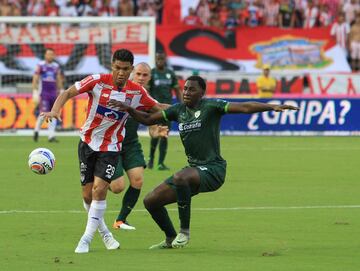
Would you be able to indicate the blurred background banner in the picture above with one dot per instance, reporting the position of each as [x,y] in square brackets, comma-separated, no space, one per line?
[246,49]
[315,115]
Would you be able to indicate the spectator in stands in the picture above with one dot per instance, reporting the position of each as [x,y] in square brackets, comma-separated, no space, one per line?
[203,11]
[36,8]
[51,9]
[158,6]
[231,23]
[10,8]
[68,10]
[355,43]
[126,8]
[333,7]
[146,8]
[271,13]
[311,15]
[106,8]
[192,18]
[299,9]
[253,14]
[215,21]
[265,83]
[324,17]
[340,31]
[350,9]
[286,14]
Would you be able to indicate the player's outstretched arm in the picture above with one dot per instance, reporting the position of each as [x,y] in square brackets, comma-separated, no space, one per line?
[140,116]
[59,103]
[254,107]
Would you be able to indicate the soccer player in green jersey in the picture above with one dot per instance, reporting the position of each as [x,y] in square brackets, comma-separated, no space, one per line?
[199,128]
[132,157]
[163,82]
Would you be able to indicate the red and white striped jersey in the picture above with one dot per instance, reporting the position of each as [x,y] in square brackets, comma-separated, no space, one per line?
[340,32]
[104,129]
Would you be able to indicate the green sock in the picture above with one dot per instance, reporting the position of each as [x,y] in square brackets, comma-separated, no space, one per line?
[130,198]
[183,193]
[162,150]
[153,144]
[161,217]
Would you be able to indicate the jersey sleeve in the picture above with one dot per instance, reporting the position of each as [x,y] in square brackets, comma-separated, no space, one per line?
[87,84]
[146,101]
[220,106]
[171,113]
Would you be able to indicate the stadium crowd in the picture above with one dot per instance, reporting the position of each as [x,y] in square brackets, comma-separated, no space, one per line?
[217,13]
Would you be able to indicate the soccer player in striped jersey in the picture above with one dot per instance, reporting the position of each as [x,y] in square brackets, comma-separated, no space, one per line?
[101,137]
[199,127]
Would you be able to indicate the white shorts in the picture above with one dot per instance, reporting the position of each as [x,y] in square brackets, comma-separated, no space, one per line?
[355,50]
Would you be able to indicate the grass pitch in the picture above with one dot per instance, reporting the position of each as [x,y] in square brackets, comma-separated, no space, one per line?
[288,203]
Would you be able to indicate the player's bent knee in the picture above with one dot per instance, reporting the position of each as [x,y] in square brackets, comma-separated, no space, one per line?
[179,179]
[117,186]
[137,183]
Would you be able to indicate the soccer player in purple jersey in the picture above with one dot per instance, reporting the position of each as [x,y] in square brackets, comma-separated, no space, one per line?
[46,84]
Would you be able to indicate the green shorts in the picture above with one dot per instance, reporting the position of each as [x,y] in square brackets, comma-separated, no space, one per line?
[131,156]
[212,177]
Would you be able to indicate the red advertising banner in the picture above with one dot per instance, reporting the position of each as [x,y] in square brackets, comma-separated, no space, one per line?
[246,49]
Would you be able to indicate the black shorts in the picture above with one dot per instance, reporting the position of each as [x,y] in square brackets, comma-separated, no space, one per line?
[94,163]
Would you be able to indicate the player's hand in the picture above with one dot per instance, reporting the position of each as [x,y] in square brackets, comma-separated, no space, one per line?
[35,97]
[50,115]
[156,131]
[281,108]
[119,105]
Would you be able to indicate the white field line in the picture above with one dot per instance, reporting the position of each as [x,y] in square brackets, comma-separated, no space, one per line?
[193,209]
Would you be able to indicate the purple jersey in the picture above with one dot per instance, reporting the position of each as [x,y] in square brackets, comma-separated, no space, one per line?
[47,75]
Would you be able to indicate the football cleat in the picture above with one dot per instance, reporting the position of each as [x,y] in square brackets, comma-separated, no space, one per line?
[180,240]
[123,226]
[161,245]
[110,242]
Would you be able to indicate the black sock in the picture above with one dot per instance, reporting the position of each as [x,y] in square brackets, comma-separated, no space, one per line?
[183,193]
[161,217]
[153,144]
[130,198]
[162,150]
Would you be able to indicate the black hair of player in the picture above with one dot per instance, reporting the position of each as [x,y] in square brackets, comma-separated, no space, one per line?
[198,79]
[123,55]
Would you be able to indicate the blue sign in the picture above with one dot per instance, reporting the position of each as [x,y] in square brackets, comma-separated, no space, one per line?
[315,115]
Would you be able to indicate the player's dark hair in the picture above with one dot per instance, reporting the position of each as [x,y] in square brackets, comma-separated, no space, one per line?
[123,55]
[198,79]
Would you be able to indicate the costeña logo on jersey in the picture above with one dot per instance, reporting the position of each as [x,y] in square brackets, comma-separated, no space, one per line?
[190,126]
[109,114]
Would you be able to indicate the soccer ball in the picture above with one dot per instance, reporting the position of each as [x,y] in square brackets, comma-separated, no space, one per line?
[41,161]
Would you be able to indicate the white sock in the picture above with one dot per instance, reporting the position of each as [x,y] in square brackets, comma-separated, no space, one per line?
[52,127]
[95,215]
[103,229]
[39,122]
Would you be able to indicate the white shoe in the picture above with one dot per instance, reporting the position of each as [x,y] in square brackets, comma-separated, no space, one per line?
[123,225]
[180,240]
[110,242]
[82,247]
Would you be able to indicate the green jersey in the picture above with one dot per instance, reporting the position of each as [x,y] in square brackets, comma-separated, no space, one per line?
[161,85]
[199,129]
[131,128]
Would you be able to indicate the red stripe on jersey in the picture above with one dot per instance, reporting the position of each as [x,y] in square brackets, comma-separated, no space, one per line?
[107,137]
[97,120]
[119,135]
